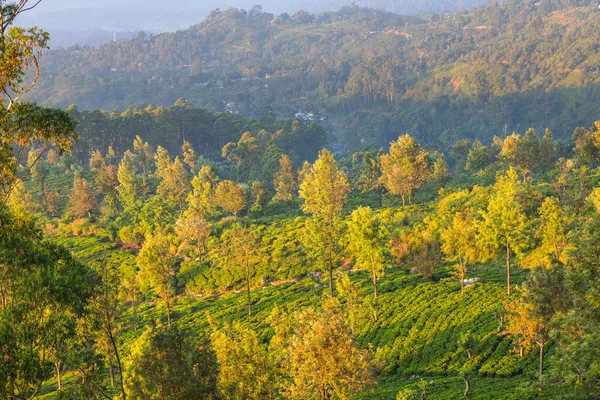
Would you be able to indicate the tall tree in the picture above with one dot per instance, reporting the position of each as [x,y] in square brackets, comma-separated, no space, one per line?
[324,189]
[189,156]
[406,168]
[366,243]
[285,181]
[241,253]
[157,268]
[505,224]
[174,183]
[545,294]
[459,243]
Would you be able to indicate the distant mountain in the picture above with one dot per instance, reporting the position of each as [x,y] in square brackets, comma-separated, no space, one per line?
[372,75]
[160,16]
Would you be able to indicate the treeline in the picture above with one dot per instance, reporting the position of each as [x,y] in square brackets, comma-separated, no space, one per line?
[206,132]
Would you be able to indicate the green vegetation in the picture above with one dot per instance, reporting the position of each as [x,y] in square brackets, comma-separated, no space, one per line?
[266,271]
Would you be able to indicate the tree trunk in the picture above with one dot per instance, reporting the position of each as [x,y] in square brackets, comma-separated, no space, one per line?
[249,300]
[403,202]
[111,375]
[374,280]
[118,357]
[168,301]
[541,362]
[466,388]
[57,365]
[508,267]
[330,280]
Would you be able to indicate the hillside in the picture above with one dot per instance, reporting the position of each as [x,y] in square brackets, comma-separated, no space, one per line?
[489,71]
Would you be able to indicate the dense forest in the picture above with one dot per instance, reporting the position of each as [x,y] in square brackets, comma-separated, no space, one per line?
[172,252]
[371,75]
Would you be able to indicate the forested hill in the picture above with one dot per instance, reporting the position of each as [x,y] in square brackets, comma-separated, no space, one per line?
[489,71]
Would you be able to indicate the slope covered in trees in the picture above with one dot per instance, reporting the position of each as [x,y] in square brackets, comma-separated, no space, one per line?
[479,73]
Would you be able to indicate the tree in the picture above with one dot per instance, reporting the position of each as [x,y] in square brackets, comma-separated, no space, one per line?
[459,243]
[201,199]
[406,168]
[23,124]
[505,223]
[547,150]
[320,342]
[189,156]
[38,170]
[167,363]
[247,370]
[142,154]
[43,293]
[129,186]
[369,177]
[193,228]
[551,233]
[83,198]
[366,243]
[174,182]
[522,152]
[285,181]
[545,294]
[241,253]
[231,197]
[577,328]
[157,268]
[107,310]
[441,172]
[324,190]
[258,194]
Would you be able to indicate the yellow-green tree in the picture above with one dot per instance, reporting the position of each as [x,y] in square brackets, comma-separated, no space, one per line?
[322,358]
[366,238]
[246,369]
[406,168]
[325,191]
[504,222]
[157,268]
[241,253]
[285,180]
[189,156]
[551,233]
[459,243]
[231,197]
[174,182]
[201,200]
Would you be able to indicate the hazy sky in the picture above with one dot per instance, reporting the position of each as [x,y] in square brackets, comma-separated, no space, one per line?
[155,15]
